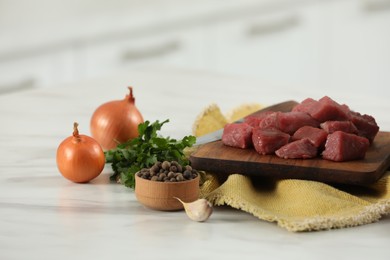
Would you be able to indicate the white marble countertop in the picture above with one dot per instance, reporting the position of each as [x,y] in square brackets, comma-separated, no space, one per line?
[44,216]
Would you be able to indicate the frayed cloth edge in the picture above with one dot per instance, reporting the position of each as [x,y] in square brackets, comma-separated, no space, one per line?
[369,214]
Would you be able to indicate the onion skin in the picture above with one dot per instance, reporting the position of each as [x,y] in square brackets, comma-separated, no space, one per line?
[80,158]
[116,122]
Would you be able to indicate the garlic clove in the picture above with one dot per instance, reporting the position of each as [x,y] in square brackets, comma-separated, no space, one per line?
[198,210]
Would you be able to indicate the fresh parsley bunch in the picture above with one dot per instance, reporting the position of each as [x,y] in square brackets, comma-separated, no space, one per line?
[145,150]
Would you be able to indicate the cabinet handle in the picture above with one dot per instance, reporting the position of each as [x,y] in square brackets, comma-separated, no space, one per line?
[376,5]
[266,28]
[151,52]
[21,85]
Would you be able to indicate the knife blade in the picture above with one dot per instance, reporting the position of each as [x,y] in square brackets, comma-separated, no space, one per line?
[217,135]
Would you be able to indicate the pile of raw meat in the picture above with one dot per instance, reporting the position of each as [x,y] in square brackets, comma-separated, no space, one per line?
[313,128]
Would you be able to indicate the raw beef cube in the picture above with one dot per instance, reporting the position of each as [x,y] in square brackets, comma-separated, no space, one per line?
[333,126]
[305,105]
[237,135]
[290,122]
[270,121]
[341,146]
[300,149]
[287,122]
[254,120]
[324,109]
[365,124]
[334,111]
[267,141]
[316,135]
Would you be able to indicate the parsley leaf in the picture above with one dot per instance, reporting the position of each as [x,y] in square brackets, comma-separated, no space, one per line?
[145,150]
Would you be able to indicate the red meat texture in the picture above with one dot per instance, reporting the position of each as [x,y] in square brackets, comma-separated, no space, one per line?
[365,124]
[267,141]
[255,120]
[341,146]
[303,149]
[344,126]
[324,109]
[311,126]
[288,122]
[315,135]
[237,135]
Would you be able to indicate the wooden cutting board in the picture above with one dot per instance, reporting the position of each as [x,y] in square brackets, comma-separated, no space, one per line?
[218,158]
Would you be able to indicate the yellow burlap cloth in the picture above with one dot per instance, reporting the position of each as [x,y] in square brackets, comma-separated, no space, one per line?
[297,205]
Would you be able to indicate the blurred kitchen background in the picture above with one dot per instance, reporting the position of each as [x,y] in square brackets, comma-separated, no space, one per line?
[327,44]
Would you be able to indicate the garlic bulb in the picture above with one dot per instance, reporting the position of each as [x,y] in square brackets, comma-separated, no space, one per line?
[198,210]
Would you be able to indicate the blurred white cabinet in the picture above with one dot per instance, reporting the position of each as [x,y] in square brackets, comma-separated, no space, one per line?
[180,48]
[43,69]
[319,44]
[284,46]
[314,44]
[359,45]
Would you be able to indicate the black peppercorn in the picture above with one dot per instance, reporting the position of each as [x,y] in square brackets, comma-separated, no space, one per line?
[168,172]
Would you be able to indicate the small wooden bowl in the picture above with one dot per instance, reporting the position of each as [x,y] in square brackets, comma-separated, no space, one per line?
[161,195]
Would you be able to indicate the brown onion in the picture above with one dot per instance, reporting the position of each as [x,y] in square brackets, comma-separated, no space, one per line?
[116,122]
[79,157]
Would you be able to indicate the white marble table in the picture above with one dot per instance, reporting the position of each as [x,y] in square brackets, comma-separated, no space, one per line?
[44,216]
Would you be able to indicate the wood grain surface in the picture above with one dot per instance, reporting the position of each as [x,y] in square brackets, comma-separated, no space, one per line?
[219,158]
